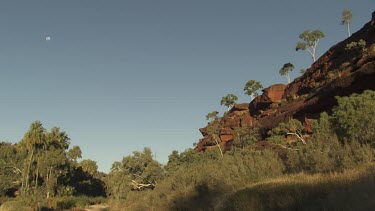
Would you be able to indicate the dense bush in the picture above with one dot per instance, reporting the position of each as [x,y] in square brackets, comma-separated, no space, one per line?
[354,117]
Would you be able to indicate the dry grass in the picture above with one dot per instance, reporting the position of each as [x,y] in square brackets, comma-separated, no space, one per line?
[351,190]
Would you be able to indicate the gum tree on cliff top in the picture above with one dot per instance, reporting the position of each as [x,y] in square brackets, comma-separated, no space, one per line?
[252,87]
[310,42]
[212,116]
[229,100]
[347,19]
[288,67]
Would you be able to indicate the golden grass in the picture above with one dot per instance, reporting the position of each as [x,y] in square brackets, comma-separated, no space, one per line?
[350,190]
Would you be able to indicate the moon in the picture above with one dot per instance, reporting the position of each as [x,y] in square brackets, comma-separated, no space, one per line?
[48,38]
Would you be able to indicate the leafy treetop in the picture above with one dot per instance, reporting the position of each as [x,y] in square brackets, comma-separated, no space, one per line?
[284,71]
[229,100]
[252,87]
[310,42]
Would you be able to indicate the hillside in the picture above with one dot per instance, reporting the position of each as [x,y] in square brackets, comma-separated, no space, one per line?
[338,72]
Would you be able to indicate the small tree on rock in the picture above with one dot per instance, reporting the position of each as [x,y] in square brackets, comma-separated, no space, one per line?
[212,116]
[347,19]
[229,100]
[288,67]
[310,42]
[252,87]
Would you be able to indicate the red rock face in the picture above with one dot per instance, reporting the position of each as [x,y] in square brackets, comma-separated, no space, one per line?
[274,93]
[338,72]
[238,116]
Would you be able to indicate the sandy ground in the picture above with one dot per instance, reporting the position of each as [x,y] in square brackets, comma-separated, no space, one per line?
[97,207]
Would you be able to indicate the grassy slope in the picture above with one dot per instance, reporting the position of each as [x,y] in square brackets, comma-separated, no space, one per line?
[351,190]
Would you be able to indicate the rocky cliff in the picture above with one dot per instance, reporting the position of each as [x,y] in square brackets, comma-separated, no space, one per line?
[338,72]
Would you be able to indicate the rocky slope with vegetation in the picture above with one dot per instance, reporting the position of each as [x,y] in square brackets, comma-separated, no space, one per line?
[346,68]
[312,140]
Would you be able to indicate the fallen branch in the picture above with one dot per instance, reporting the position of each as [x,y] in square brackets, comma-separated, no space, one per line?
[140,186]
[299,136]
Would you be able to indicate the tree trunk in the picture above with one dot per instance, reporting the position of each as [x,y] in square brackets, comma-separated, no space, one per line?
[349,33]
[37,175]
[218,145]
[28,171]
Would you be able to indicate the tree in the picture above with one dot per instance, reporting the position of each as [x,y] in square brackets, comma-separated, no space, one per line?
[229,100]
[245,136]
[347,19]
[252,87]
[89,166]
[135,172]
[213,131]
[284,71]
[310,42]
[33,140]
[75,153]
[11,161]
[212,115]
[354,117]
[302,71]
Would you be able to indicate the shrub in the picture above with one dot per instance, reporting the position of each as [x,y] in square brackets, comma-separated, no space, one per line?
[354,117]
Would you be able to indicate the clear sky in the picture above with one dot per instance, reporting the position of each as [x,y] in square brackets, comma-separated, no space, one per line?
[121,75]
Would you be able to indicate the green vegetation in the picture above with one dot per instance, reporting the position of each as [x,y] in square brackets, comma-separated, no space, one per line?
[354,118]
[251,88]
[346,19]
[284,71]
[287,167]
[251,178]
[41,167]
[310,42]
[229,100]
[313,166]
[212,115]
[360,45]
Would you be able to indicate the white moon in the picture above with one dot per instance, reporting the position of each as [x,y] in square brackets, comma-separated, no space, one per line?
[48,38]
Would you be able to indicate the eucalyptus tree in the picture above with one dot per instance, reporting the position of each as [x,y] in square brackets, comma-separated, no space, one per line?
[229,100]
[346,19]
[213,131]
[310,42]
[251,88]
[212,115]
[284,71]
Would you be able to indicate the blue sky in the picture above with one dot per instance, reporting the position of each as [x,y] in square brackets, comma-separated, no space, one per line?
[121,75]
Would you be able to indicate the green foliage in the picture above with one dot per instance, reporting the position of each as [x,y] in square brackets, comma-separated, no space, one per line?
[212,115]
[251,88]
[200,185]
[278,134]
[11,162]
[346,17]
[136,172]
[75,153]
[354,117]
[302,71]
[284,71]
[329,156]
[310,41]
[89,166]
[360,45]
[229,100]
[244,137]
[39,166]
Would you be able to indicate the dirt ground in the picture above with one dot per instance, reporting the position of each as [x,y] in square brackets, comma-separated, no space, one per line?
[97,207]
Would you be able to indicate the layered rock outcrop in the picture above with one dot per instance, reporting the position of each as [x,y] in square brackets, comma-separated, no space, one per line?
[338,72]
